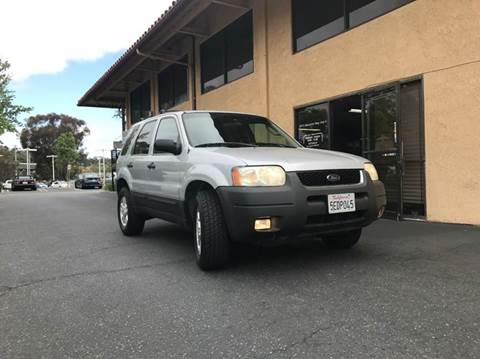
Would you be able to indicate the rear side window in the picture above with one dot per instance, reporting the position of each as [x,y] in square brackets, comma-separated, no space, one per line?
[144,139]
[129,139]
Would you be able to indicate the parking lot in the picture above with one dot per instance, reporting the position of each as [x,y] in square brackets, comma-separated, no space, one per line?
[71,285]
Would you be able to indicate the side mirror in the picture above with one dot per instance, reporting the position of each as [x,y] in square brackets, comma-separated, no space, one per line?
[167,146]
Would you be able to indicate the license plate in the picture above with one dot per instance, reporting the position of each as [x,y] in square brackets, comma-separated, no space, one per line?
[24,182]
[341,203]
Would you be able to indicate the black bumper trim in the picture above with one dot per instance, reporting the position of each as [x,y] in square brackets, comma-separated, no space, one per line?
[291,209]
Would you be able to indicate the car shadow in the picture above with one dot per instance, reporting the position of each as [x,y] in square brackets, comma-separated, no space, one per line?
[253,257]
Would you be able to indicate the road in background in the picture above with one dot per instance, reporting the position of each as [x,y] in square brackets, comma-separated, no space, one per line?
[71,285]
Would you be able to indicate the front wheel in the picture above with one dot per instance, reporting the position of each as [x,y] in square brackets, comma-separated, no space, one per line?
[344,240]
[212,244]
[130,222]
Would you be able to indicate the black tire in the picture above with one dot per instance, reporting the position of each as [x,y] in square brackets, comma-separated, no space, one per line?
[134,223]
[212,248]
[34,188]
[344,240]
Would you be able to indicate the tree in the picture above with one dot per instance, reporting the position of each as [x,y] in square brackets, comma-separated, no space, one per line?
[8,110]
[42,131]
[7,164]
[66,150]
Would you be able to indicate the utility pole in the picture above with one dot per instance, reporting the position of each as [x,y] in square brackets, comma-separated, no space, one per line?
[16,165]
[103,161]
[53,165]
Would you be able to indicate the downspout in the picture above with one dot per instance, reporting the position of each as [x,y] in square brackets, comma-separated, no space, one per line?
[267,64]
[193,73]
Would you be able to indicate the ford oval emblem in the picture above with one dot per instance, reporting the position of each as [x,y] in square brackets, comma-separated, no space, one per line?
[333,177]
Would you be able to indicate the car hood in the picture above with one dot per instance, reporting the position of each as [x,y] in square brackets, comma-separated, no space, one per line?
[293,159]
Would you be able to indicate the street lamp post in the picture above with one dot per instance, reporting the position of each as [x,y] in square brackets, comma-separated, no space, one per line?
[53,165]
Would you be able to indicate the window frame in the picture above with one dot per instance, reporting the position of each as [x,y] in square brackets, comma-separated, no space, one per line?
[156,133]
[223,34]
[155,126]
[347,26]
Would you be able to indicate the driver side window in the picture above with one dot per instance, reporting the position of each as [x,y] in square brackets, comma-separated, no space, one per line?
[167,130]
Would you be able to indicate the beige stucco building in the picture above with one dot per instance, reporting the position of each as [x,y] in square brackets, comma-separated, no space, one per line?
[397,81]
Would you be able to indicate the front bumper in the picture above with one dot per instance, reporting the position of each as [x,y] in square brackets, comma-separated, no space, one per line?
[296,209]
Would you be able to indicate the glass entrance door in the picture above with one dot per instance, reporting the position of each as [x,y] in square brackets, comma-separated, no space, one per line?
[381,143]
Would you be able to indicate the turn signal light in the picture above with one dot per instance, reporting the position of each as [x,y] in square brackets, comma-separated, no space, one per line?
[263,224]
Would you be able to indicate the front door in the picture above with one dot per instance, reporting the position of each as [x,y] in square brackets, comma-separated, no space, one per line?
[381,143]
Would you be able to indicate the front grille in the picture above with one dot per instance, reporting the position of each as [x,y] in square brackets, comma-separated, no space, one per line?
[336,218]
[320,178]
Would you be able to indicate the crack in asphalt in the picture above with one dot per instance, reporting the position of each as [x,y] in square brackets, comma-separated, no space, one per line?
[8,289]
[302,341]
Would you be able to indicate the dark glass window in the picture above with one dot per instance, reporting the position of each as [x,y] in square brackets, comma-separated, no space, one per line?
[228,55]
[167,130]
[239,52]
[316,21]
[144,139]
[213,62]
[360,11]
[312,126]
[129,139]
[173,85]
[140,108]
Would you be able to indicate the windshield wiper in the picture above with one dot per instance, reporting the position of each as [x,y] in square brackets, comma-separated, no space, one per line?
[268,144]
[226,144]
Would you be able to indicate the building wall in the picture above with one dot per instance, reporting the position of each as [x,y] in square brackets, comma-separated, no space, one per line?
[435,39]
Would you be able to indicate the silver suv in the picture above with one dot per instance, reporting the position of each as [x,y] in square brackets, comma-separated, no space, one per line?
[239,177]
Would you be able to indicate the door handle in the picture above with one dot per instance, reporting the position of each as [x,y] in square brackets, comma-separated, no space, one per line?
[130,165]
[151,166]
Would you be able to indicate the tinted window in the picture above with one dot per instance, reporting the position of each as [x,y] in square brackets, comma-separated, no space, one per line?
[312,126]
[129,139]
[315,21]
[213,62]
[360,11]
[140,103]
[228,55]
[239,54]
[144,139]
[172,84]
[236,130]
[167,130]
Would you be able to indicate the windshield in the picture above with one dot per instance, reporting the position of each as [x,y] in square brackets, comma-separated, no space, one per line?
[210,129]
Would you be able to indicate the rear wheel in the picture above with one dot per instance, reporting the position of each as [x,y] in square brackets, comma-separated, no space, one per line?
[131,223]
[212,244]
[344,240]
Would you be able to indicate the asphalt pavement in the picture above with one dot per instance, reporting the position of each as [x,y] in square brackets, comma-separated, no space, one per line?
[72,286]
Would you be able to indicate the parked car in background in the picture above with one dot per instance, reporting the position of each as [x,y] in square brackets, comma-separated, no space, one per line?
[88,180]
[41,185]
[7,185]
[233,177]
[59,184]
[21,183]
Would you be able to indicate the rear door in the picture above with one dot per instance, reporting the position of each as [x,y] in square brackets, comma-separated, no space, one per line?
[139,160]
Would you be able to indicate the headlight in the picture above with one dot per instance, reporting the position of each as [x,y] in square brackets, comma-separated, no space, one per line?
[372,171]
[258,176]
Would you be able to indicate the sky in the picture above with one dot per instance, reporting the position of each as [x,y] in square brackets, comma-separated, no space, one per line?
[58,49]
